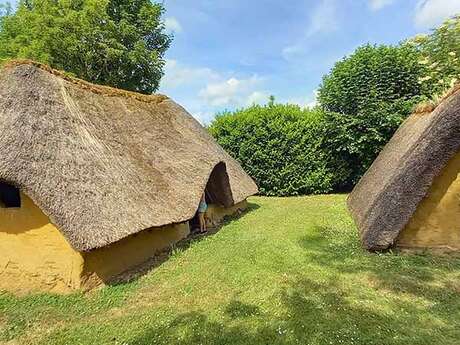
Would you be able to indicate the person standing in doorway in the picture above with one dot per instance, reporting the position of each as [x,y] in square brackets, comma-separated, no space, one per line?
[202,213]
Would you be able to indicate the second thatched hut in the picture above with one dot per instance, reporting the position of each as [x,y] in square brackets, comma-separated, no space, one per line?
[410,196]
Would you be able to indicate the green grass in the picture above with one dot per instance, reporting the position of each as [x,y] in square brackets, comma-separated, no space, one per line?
[290,271]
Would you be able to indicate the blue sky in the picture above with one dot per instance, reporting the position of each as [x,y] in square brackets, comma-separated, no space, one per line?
[228,54]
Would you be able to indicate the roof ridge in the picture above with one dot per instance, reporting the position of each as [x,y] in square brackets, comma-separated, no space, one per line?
[95,88]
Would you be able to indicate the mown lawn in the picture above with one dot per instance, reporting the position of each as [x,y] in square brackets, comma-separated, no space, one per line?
[290,271]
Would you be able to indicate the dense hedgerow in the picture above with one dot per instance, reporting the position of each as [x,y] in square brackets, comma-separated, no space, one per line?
[294,151]
[278,146]
[363,100]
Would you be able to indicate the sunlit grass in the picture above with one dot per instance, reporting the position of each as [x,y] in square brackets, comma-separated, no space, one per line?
[290,271]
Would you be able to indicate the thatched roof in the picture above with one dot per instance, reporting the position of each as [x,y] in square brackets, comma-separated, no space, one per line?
[388,194]
[104,163]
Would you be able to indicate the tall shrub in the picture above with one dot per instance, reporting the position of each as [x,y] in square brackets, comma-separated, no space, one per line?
[373,75]
[278,145]
[366,96]
[351,143]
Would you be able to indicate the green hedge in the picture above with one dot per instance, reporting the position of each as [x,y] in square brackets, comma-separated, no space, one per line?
[278,146]
[290,151]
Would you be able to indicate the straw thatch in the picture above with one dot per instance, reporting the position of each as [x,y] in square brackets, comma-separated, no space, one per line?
[388,194]
[104,163]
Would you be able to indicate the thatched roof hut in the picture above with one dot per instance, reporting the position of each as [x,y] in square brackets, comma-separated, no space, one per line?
[410,190]
[104,164]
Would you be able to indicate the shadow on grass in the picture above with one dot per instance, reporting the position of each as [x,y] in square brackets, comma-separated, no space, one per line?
[160,258]
[314,313]
[414,274]
[238,310]
[403,303]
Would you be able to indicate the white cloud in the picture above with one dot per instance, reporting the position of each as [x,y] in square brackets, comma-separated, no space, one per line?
[257,97]
[232,92]
[313,101]
[204,91]
[307,102]
[203,117]
[179,75]
[430,13]
[376,5]
[172,25]
[324,19]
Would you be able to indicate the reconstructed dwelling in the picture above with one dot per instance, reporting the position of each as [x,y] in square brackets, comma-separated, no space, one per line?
[95,180]
[410,196]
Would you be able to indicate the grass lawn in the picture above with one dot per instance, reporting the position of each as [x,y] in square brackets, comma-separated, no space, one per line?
[291,271]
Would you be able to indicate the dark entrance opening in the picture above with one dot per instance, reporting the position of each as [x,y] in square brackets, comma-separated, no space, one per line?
[217,191]
[9,196]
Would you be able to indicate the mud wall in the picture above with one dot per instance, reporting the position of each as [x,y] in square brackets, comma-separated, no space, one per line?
[34,256]
[436,222]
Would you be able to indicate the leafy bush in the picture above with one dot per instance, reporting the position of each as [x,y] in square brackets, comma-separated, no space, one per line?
[278,145]
[367,95]
[120,43]
[371,75]
[352,142]
[440,54]
[290,151]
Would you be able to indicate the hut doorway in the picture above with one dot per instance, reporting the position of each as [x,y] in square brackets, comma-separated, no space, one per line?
[9,196]
[217,191]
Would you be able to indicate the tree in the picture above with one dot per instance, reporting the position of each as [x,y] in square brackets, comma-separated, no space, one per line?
[366,96]
[440,53]
[351,143]
[120,43]
[373,75]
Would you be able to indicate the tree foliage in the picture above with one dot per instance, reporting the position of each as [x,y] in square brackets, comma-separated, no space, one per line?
[120,43]
[366,96]
[351,143]
[372,75]
[440,54]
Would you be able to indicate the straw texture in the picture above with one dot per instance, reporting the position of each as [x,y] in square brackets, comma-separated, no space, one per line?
[103,163]
[387,196]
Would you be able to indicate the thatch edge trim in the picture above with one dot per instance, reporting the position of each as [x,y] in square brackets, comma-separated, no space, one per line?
[97,89]
[430,106]
[82,248]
